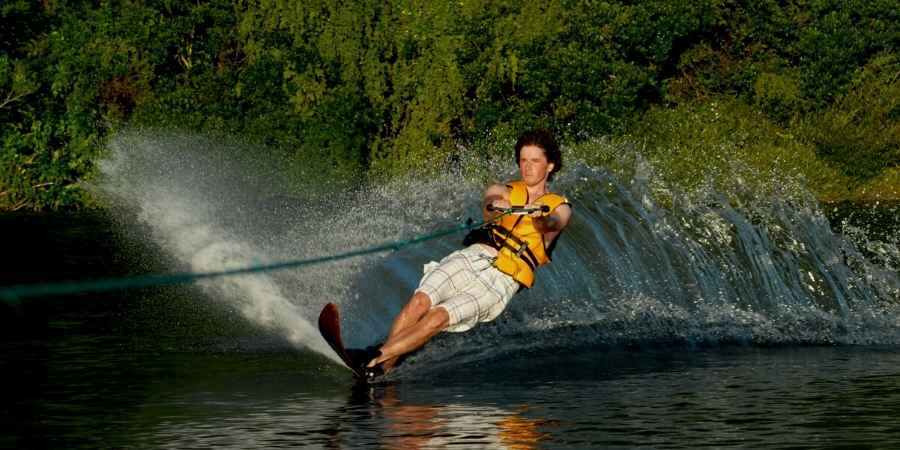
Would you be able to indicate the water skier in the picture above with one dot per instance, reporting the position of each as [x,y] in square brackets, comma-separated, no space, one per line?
[475,284]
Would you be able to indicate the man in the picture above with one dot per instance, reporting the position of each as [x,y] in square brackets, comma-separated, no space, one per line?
[475,284]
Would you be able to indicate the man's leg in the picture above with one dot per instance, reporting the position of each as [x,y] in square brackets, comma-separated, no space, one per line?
[413,337]
[415,308]
[412,312]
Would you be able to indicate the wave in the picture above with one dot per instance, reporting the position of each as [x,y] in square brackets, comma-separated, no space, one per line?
[630,268]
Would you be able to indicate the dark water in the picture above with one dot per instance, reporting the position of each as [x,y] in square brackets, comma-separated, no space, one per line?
[666,320]
[169,368]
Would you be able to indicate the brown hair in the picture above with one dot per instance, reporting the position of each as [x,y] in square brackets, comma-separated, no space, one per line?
[544,139]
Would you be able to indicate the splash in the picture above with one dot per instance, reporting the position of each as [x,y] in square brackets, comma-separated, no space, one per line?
[215,205]
[641,262]
[211,209]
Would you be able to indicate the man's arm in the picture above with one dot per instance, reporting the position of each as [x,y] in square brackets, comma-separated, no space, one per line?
[552,224]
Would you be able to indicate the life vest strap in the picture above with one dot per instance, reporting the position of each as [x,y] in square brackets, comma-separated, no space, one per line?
[520,249]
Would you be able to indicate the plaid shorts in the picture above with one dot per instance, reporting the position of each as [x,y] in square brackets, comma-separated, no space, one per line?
[466,285]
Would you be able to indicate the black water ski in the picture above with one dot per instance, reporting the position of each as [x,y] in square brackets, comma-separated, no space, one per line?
[330,328]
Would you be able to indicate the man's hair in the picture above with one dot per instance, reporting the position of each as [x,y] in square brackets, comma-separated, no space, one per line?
[544,139]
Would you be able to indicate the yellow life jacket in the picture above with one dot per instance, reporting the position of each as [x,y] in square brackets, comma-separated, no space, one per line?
[521,247]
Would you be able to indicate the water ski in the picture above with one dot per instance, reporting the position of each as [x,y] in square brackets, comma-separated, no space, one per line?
[354,359]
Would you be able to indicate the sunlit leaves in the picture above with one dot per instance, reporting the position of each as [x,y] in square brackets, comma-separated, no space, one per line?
[377,87]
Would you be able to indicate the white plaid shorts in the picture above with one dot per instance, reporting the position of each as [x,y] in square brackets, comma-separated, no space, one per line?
[466,285]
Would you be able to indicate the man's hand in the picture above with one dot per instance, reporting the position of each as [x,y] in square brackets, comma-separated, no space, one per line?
[539,207]
[499,203]
[496,195]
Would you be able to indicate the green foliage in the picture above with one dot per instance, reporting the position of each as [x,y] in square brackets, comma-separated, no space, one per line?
[860,131]
[886,186]
[837,36]
[379,88]
[20,22]
[739,40]
[817,43]
[726,144]
[96,66]
[16,83]
[778,94]
[432,75]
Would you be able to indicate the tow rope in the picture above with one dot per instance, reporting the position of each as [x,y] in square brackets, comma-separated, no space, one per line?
[18,292]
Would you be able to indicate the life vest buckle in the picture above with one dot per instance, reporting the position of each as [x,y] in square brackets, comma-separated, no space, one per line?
[522,249]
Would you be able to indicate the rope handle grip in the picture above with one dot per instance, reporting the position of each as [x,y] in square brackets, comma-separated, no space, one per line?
[519,210]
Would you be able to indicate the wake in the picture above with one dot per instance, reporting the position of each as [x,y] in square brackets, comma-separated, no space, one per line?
[627,270]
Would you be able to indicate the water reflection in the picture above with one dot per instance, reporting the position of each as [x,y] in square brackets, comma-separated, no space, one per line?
[89,393]
[419,426]
[379,416]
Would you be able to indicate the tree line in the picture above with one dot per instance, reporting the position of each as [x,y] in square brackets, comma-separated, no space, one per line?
[376,88]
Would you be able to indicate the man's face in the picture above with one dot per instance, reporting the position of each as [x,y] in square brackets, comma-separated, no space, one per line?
[533,165]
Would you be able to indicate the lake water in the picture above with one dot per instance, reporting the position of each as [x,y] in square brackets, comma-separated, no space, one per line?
[697,324]
[167,368]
